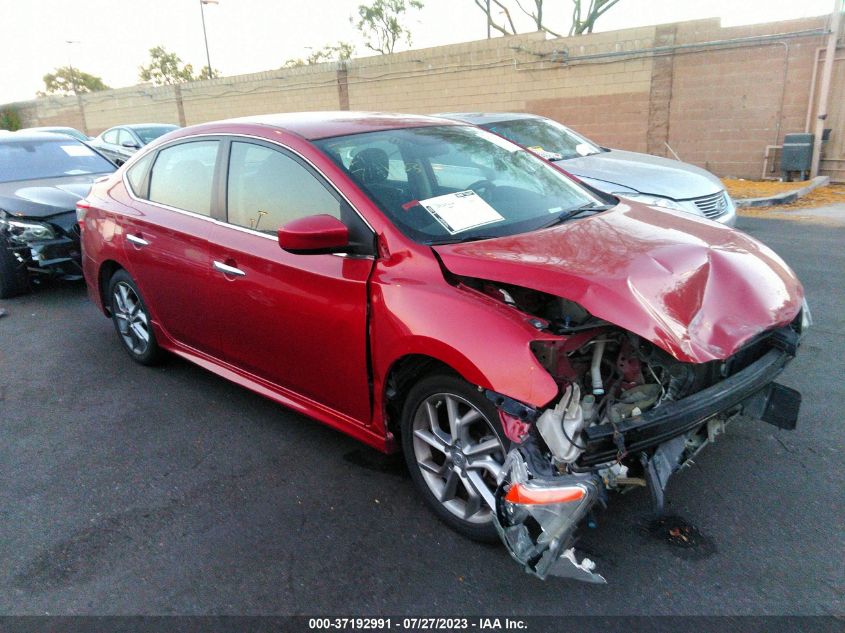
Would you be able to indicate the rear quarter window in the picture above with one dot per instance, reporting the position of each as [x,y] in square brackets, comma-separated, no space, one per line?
[137,175]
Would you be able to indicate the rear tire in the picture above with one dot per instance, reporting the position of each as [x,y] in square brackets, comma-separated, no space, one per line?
[14,278]
[132,319]
[453,445]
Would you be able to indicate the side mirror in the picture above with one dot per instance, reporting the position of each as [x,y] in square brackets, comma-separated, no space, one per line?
[314,235]
[129,144]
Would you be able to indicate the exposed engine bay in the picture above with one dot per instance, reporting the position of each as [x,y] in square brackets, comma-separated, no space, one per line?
[628,415]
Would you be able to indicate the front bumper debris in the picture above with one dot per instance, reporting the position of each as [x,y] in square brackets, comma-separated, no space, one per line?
[536,518]
[539,506]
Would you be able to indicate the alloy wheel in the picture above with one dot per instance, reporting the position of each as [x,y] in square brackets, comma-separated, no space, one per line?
[131,319]
[459,455]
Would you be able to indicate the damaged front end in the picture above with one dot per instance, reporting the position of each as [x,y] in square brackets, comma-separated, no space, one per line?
[43,247]
[629,415]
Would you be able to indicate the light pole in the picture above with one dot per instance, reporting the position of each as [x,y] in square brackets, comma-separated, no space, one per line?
[70,66]
[204,34]
[75,88]
[488,19]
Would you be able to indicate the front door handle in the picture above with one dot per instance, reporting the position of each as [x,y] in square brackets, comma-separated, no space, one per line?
[137,241]
[228,270]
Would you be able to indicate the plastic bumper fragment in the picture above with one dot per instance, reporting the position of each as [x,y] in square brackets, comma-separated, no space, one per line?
[537,517]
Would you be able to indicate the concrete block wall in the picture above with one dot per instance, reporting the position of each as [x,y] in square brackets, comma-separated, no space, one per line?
[728,104]
[711,93]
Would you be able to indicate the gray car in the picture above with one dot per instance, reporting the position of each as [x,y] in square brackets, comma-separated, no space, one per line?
[57,129]
[120,142]
[652,180]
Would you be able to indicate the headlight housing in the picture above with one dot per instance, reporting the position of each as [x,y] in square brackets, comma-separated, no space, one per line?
[24,231]
[654,201]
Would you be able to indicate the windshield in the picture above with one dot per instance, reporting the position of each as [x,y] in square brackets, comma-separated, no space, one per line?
[548,138]
[455,183]
[27,160]
[150,133]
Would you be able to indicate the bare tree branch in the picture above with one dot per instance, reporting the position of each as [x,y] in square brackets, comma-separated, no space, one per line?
[584,15]
[503,28]
[596,9]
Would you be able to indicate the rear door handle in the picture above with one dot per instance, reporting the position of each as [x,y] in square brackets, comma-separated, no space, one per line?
[228,270]
[138,241]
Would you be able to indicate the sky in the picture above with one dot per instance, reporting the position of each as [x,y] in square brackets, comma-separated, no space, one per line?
[112,37]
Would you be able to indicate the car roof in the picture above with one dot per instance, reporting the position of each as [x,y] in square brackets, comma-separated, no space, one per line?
[133,126]
[45,128]
[136,125]
[22,136]
[318,125]
[480,118]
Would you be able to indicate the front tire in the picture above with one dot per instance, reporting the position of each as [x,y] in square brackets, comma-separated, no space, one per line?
[132,319]
[14,279]
[454,448]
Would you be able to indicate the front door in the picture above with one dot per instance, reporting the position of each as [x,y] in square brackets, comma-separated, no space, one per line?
[298,321]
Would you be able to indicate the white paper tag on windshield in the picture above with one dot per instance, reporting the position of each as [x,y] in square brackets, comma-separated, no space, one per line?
[544,154]
[77,150]
[461,211]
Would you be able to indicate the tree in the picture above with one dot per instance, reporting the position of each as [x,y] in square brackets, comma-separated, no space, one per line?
[380,24]
[68,80]
[499,18]
[596,9]
[165,68]
[205,73]
[337,52]
[506,26]
[537,16]
[10,119]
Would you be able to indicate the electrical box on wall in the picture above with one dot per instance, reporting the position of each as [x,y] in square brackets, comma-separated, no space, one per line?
[797,155]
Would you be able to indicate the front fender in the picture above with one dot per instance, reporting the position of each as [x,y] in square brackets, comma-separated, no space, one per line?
[485,341]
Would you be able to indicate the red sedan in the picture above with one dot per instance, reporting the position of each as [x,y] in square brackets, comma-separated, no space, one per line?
[430,287]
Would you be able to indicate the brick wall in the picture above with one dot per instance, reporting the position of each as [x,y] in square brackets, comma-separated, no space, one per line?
[716,95]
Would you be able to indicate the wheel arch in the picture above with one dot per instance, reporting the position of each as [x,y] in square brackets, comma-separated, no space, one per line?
[403,373]
[105,272]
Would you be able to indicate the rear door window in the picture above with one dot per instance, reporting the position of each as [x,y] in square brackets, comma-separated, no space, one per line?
[183,176]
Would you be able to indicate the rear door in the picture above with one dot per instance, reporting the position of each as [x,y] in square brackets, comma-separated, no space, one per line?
[166,238]
[298,321]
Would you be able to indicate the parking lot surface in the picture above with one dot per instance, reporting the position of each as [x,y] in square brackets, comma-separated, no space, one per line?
[130,490]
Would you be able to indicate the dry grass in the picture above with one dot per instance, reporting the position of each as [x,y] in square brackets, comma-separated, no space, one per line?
[740,189]
[831,194]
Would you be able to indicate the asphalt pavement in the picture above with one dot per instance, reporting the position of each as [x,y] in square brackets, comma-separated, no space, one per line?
[131,490]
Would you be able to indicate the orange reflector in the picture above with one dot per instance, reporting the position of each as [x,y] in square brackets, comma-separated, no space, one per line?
[529,495]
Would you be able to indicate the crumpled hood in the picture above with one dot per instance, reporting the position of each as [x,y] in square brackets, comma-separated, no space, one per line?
[44,197]
[697,289]
[644,173]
